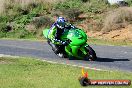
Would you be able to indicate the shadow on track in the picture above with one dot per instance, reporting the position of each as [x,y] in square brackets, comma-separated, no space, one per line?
[99,59]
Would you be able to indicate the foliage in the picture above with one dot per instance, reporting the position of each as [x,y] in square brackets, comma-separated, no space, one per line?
[42,21]
[117,19]
[17,18]
[17,14]
[72,13]
[95,6]
[67,4]
[129,2]
[85,0]
[3,27]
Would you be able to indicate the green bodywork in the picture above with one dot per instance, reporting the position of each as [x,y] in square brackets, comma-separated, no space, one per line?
[78,37]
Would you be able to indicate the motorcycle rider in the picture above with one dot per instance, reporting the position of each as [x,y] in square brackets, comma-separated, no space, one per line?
[54,34]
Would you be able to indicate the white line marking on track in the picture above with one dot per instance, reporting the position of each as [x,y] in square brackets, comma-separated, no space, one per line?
[53,62]
[92,68]
[3,55]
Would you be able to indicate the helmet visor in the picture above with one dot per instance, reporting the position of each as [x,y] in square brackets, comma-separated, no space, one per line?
[61,24]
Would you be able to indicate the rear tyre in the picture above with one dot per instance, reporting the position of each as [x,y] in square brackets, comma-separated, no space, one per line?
[91,54]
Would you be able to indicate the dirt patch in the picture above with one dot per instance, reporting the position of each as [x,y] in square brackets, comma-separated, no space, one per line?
[117,19]
[122,34]
[4,62]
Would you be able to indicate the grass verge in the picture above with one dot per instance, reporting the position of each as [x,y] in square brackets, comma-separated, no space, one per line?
[94,41]
[32,73]
[109,42]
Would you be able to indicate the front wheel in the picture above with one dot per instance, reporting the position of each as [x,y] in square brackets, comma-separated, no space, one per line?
[91,54]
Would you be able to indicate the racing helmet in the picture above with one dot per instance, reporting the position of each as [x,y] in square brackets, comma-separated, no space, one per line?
[61,22]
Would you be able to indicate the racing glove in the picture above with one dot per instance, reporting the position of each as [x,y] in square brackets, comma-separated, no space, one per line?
[67,42]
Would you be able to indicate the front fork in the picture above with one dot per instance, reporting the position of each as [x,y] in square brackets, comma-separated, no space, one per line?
[83,49]
[73,50]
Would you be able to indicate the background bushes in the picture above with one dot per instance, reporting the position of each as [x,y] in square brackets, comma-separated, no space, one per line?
[119,18]
[27,18]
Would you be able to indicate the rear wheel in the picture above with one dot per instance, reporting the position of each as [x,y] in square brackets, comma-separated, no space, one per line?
[91,54]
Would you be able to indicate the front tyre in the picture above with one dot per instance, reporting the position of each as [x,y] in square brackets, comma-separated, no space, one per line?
[91,54]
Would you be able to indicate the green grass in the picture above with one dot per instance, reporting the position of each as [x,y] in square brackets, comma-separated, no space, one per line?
[109,42]
[29,39]
[31,73]
[94,41]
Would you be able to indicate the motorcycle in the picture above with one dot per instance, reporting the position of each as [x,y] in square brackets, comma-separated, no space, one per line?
[77,48]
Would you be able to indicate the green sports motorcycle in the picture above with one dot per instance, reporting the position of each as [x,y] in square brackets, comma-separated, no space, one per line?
[78,47]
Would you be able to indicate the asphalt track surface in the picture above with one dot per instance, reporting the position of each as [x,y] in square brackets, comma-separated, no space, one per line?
[109,57]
